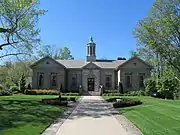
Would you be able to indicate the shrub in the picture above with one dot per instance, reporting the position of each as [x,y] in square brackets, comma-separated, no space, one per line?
[112,99]
[5,93]
[150,85]
[70,94]
[48,92]
[73,99]
[126,103]
[111,91]
[120,87]
[135,93]
[1,87]
[41,92]
[22,83]
[63,98]
[141,93]
[55,101]
[14,88]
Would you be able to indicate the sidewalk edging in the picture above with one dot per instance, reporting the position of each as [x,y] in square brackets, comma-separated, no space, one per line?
[53,128]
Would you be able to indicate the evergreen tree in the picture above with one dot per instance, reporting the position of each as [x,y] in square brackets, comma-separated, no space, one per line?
[22,83]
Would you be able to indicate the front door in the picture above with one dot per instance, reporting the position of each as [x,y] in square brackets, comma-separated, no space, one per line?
[90,84]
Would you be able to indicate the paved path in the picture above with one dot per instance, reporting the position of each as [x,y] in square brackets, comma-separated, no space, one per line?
[91,117]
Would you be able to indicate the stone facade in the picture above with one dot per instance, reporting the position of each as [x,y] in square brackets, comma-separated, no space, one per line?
[90,74]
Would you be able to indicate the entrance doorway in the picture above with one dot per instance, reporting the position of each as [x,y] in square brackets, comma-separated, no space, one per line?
[90,84]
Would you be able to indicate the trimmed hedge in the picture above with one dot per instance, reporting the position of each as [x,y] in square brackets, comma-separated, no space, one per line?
[111,91]
[41,92]
[123,102]
[48,92]
[129,93]
[70,94]
[112,94]
[73,99]
[55,101]
[126,103]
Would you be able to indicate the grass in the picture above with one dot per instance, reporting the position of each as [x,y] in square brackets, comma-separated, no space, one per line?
[24,115]
[155,116]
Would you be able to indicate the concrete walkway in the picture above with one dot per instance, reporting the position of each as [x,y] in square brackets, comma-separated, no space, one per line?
[92,116]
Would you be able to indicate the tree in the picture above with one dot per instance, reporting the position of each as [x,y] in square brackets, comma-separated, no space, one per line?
[133,53]
[22,83]
[158,37]
[55,52]
[160,32]
[65,54]
[18,26]
[50,50]
[10,74]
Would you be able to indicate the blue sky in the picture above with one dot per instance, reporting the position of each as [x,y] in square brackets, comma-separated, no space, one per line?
[111,22]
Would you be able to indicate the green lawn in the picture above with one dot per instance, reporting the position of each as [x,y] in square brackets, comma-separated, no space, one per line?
[155,116]
[24,115]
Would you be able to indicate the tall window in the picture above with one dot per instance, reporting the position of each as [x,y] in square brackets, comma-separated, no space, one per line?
[128,80]
[53,79]
[40,79]
[108,81]
[141,79]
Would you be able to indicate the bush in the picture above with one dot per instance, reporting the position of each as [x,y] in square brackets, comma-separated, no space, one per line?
[55,101]
[69,94]
[126,103]
[120,87]
[41,92]
[111,91]
[73,99]
[48,92]
[167,87]
[14,88]
[136,93]
[5,93]
[150,85]
[1,87]
[112,94]
[112,99]
[22,83]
